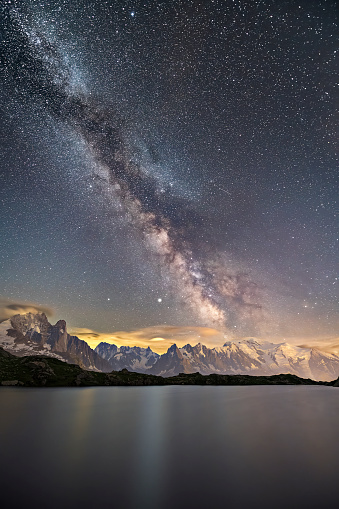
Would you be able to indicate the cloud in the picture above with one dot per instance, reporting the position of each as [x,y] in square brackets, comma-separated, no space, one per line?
[327,345]
[83,333]
[9,308]
[158,338]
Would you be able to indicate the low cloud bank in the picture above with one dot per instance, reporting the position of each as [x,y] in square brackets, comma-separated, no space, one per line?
[158,338]
[9,308]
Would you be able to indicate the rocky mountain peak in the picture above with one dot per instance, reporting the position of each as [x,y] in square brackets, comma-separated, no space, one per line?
[106,350]
[28,321]
[58,336]
[61,325]
[187,347]
[32,334]
[134,358]
[173,349]
[199,348]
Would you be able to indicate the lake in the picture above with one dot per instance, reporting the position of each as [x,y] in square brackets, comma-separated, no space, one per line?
[170,447]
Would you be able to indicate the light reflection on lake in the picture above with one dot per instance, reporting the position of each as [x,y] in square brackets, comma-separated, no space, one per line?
[170,447]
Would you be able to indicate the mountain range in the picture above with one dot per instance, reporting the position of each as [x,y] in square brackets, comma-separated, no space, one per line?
[248,356]
[32,334]
[42,371]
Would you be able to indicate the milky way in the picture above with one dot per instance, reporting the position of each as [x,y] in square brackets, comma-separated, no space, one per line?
[168,224]
[220,289]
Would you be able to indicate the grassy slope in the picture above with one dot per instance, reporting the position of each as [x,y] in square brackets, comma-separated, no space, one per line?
[37,371]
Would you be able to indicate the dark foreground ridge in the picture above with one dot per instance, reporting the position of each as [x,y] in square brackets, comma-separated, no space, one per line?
[37,371]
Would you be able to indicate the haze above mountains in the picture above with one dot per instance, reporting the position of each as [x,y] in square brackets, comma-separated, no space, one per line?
[32,334]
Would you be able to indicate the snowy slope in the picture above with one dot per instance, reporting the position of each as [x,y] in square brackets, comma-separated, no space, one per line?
[32,334]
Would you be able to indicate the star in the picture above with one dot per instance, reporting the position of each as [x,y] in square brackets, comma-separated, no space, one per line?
[217,187]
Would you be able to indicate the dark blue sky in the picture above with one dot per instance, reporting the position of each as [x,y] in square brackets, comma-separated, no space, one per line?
[171,163]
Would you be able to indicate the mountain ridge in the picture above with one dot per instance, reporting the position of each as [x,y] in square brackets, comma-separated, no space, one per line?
[32,334]
[39,371]
[234,357]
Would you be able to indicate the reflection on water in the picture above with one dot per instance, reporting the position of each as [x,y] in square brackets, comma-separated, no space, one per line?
[170,447]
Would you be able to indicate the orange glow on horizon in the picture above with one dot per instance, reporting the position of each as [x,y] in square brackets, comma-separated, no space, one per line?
[160,338]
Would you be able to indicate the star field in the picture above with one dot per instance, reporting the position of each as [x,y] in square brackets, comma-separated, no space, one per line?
[172,163]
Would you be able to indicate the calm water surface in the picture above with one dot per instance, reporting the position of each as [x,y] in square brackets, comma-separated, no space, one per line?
[170,447]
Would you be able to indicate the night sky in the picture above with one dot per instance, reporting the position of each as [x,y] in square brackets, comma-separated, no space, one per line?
[171,164]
